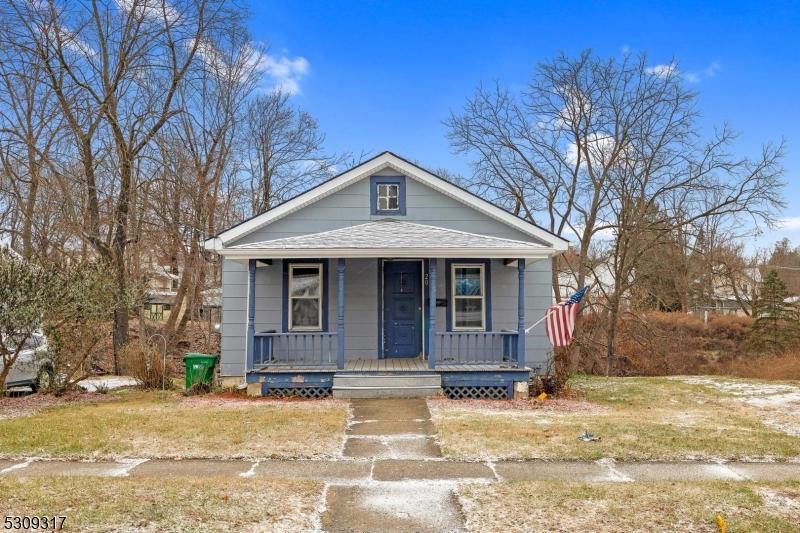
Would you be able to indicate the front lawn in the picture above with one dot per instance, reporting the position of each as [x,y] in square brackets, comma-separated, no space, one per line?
[635,419]
[152,424]
[151,504]
[645,507]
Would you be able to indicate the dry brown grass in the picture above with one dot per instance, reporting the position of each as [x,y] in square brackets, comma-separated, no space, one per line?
[628,507]
[150,424]
[784,366]
[150,504]
[658,344]
[636,419]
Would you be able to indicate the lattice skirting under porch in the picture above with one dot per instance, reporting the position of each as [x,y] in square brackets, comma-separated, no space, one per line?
[300,392]
[467,392]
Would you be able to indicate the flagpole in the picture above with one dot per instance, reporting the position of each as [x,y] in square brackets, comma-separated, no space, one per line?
[549,312]
[528,330]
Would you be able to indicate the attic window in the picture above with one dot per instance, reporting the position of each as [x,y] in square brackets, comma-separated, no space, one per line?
[388,195]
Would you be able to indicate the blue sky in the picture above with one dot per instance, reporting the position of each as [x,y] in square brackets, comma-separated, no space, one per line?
[383,75]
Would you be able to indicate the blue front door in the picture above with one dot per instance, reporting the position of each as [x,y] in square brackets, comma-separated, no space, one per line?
[402,308]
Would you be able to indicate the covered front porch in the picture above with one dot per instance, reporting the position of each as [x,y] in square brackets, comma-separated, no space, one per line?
[436,302]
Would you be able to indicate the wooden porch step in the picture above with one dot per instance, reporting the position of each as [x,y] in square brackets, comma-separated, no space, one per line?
[386,386]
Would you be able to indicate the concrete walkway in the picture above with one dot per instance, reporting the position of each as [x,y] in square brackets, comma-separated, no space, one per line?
[354,471]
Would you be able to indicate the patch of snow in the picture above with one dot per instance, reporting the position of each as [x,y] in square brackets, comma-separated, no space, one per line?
[432,504]
[612,474]
[723,471]
[109,382]
[124,466]
[779,501]
[18,466]
[775,399]
[252,471]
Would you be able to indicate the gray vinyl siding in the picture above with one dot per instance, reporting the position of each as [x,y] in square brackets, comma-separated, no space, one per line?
[350,206]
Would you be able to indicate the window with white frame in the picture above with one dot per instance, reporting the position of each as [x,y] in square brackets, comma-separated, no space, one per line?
[388,197]
[469,303]
[305,297]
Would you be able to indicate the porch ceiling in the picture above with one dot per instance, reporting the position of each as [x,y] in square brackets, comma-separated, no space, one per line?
[390,238]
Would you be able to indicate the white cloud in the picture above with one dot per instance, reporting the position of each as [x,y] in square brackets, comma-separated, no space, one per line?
[790,223]
[286,72]
[712,69]
[599,147]
[663,70]
[691,77]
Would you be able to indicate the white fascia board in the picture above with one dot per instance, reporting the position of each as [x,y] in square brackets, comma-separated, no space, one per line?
[472,253]
[364,170]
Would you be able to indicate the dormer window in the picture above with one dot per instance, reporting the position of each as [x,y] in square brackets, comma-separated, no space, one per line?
[388,195]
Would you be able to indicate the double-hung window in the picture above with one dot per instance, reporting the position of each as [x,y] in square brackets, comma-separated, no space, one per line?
[469,296]
[305,297]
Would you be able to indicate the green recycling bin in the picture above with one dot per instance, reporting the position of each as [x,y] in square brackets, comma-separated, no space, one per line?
[199,368]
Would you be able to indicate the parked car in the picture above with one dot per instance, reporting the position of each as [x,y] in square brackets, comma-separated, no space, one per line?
[32,367]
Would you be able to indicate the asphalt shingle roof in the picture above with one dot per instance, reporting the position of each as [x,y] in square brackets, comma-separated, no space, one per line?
[390,234]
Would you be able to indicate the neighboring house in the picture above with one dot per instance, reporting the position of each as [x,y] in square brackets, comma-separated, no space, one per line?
[384,280]
[728,293]
[162,287]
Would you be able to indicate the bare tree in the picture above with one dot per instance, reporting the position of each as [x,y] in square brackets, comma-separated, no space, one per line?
[284,150]
[609,151]
[116,69]
[196,153]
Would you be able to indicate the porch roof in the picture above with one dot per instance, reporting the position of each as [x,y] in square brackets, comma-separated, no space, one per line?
[390,238]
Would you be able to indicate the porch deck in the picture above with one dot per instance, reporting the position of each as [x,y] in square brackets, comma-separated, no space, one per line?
[397,364]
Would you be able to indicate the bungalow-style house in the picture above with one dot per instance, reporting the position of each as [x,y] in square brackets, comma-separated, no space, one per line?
[384,280]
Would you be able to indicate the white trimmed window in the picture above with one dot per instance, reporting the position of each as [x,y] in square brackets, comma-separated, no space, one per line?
[469,301]
[388,197]
[305,297]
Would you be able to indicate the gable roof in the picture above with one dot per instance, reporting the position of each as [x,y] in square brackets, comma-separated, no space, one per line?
[386,160]
[391,238]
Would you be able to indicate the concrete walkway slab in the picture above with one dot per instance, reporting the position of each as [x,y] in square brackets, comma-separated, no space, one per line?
[678,471]
[390,409]
[67,468]
[388,447]
[398,470]
[381,507]
[325,470]
[391,427]
[190,467]
[768,471]
[542,471]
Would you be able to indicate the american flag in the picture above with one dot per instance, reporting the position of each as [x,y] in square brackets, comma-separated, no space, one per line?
[560,320]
